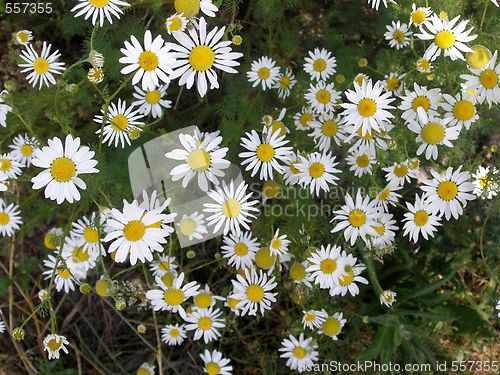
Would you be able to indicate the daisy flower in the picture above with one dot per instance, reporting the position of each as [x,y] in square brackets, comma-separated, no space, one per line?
[399,173]
[291,175]
[325,130]
[162,265]
[303,119]
[320,64]
[254,291]
[279,244]
[432,131]
[203,160]
[120,120]
[191,8]
[152,63]
[285,83]
[332,326]
[54,238]
[4,109]
[65,277]
[388,196]
[205,298]
[173,334]
[137,232]
[387,298]
[205,323]
[385,229]
[370,141]
[215,364]
[357,218]
[322,97]
[151,101]
[298,273]
[264,72]
[199,54]
[192,226]
[146,369]
[240,249]
[460,111]
[421,219]
[76,256]
[99,9]
[63,164]
[318,171]
[486,81]
[393,82]
[448,37]
[424,65]
[264,153]
[53,344]
[95,75]
[10,166]
[23,37]
[349,276]
[313,318]
[367,106]
[176,22]
[360,78]
[484,185]
[301,354]
[23,147]
[421,97]
[419,15]
[448,193]
[324,266]
[171,298]
[361,161]
[398,34]
[42,67]
[10,218]
[87,228]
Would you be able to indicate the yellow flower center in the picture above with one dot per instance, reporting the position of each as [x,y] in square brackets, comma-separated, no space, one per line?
[379,229]
[359,79]
[51,241]
[444,39]
[255,293]
[400,170]
[276,243]
[285,82]
[299,352]
[41,65]
[201,58]
[175,24]
[265,152]
[80,255]
[297,271]
[119,123]
[233,302]
[134,230]
[164,266]
[367,107]
[187,226]
[464,110]
[91,235]
[329,128]
[148,61]
[168,279]
[418,17]
[153,97]
[421,218]
[63,273]
[173,297]
[98,3]
[190,8]
[310,316]
[319,65]
[23,36]
[264,73]
[363,161]
[323,96]
[433,133]
[393,83]
[264,259]
[212,368]
[5,165]
[203,300]
[278,126]
[316,170]
[304,119]
[398,36]
[102,288]
[174,332]
[331,327]
[479,57]
[424,65]
[345,280]
[421,101]
[143,371]
[447,190]
[4,218]
[199,160]
[328,266]
[241,249]
[54,345]
[293,167]
[63,169]
[384,194]
[232,208]
[26,150]
[357,218]
[489,79]
[205,323]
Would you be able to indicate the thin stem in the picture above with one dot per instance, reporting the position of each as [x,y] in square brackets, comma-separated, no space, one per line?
[486,3]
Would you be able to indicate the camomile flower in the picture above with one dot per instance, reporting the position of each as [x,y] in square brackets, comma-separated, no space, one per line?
[361,161]
[421,97]
[205,323]
[162,265]
[23,147]
[171,298]
[192,226]
[152,63]
[199,54]
[10,166]
[432,132]
[356,218]
[385,229]
[53,344]
[448,37]
[322,97]
[23,37]
[63,164]
[388,196]
[448,193]
[42,67]
[460,111]
[424,65]
[421,220]
[151,101]
[486,81]
[10,218]
[300,354]
[387,298]
[285,83]
[360,78]
[370,141]
[398,34]
[298,273]
[279,244]
[65,277]
[394,83]
[332,326]
[367,106]
[102,9]
[191,8]
[173,334]
[54,238]
[303,119]
[76,256]
[215,364]
[318,171]
[205,298]
[291,175]
[325,130]
[146,369]
[4,108]
[320,64]
[350,275]
[420,15]
[88,228]
[265,152]
[231,209]
[376,3]
[240,249]
[254,291]
[264,72]
[204,160]
[484,185]
[3,179]
[176,22]
[324,267]
[399,173]
[95,75]
[313,319]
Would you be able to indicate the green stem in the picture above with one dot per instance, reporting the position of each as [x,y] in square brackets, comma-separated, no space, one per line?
[484,15]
